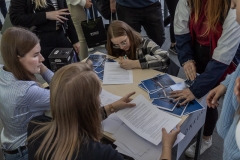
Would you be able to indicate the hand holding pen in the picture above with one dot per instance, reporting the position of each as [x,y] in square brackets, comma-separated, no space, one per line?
[128,64]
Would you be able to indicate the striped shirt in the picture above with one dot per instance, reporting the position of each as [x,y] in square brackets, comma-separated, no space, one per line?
[20,101]
[55,5]
[150,55]
[227,122]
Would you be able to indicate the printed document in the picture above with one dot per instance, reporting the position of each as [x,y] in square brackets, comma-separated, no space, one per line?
[146,120]
[114,74]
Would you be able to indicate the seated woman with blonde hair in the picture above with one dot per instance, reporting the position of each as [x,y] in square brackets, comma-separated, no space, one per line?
[74,131]
[133,50]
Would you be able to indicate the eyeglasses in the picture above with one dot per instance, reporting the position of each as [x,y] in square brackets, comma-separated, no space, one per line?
[123,44]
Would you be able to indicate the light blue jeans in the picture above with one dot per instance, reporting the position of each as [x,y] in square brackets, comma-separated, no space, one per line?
[18,156]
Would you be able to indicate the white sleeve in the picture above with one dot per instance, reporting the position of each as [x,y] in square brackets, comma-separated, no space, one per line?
[228,42]
[181,19]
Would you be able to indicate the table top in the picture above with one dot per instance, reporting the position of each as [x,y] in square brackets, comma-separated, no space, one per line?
[123,89]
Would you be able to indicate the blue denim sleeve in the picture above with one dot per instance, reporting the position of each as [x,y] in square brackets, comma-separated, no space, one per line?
[208,79]
[184,47]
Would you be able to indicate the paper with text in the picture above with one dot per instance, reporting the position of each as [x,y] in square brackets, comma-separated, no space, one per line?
[114,74]
[146,120]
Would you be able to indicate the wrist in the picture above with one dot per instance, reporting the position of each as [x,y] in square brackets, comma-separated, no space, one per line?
[136,64]
[189,61]
[167,146]
[109,109]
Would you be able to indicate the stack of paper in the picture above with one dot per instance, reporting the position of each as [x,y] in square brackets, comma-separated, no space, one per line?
[142,140]
[159,88]
[114,74]
[98,61]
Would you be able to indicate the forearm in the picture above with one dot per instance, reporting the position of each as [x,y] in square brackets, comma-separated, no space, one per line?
[208,79]
[136,64]
[46,73]
[184,48]
[166,153]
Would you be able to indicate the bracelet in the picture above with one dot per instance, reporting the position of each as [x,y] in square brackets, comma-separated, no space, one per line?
[191,60]
[112,110]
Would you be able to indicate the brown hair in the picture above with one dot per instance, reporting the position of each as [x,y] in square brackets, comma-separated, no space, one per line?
[17,42]
[215,10]
[75,102]
[117,29]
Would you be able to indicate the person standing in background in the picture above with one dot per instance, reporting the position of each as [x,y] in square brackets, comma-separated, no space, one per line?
[78,14]
[146,14]
[3,9]
[171,5]
[52,22]
[207,41]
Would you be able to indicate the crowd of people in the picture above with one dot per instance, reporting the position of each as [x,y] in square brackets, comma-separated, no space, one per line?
[205,37]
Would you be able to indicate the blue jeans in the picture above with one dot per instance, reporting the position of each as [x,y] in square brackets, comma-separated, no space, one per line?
[149,17]
[18,156]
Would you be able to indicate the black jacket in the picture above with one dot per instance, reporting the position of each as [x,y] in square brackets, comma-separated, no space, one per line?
[91,151]
[23,13]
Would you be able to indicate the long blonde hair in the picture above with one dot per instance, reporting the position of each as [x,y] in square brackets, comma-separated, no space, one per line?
[215,10]
[74,101]
[40,4]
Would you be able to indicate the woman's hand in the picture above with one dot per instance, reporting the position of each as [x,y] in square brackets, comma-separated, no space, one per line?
[76,47]
[43,69]
[129,64]
[58,15]
[123,102]
[190,70]
[185,95]
[120,104]
[237,89]
[214,95]
[88,4]
[113,6]
[168,139]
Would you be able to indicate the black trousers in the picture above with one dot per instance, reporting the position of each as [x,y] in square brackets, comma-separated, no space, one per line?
[202,55]
[3,9]
[51,40]
[171,5]
[149,17]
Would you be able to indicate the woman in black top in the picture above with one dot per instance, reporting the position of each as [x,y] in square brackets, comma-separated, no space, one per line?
[51,22]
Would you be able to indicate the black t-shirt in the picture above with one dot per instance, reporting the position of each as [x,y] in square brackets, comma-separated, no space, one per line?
[91,151]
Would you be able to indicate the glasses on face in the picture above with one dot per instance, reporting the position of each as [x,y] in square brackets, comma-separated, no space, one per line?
[123,44]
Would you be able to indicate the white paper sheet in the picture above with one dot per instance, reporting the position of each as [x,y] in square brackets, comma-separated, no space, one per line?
[153,153]
[114,74]
[111,125]
[131,140]
[178,86]
[107,97]
[146,120]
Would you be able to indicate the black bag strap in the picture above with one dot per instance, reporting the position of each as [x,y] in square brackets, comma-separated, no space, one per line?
[94,18]
[115,14]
